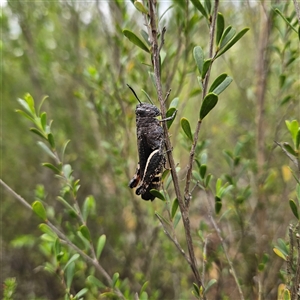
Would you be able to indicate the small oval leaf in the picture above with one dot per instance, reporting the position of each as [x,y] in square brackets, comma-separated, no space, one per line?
[51,140]
[46,149]
[208,104]
[174,207]
[140,7]
[39,209]
[237,37]
[206,65]
[85,232]
[170,113]
[100,245]
[52,167]
[199,58]
[200,7]
[135,40]
[157,194]
[294,208]
[220,27]
[218,205]
[220,84]
[37,132]
[279,253]
[185,125]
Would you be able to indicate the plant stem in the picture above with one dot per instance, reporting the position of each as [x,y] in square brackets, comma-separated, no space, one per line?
[183,209]
[218,231]
[297,10]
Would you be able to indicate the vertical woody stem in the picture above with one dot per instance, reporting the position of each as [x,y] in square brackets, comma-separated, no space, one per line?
[183,208]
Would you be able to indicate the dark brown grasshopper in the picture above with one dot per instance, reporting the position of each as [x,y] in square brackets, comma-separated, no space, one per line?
[150,142]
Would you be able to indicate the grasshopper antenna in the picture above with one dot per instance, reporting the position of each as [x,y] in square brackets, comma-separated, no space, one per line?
[134,93]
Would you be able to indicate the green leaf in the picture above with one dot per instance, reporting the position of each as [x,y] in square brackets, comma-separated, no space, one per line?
[157,194]
[228,34]
[202,171]
[67,171]
[206,65]
[145,36]
[289,149]
[208,179]
[174,207]
[177,219]
[161,218]
[293,128]
[30,102]
[185,125]
[200,7]
[299,32]
[279,253]
[46,229]
[210,284]
[135,40]
[44,120]
[85,232]
[208,6]
[285,19]
[218,204]
[170,113]
[89,205]
[52,167]
[294,208]
[237,37]
[25,115]
[46,149]
[81,293]
[26,106]
[208,104]
[199,58]
[64,150]
[39,209]
[69,273]
[140,7]
[196,289]
[100,245]
[38,132]
[286,294]
[220,84]
[217,82]
[143,288]
[41,104]
[95,282]
[72,259]
[115,279]
[174,103]
[220,27]
[67,205]
[51,141]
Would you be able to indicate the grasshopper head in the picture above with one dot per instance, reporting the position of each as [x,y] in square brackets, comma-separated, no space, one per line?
[147,110]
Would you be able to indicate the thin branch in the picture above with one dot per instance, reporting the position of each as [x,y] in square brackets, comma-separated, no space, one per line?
[17,196]
[294,160]
[218,231]
[64,239]
[162,38]
[184,211]
[174,240]
[297,10]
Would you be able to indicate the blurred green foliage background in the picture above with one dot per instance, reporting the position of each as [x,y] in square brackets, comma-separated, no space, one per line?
[75,52]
